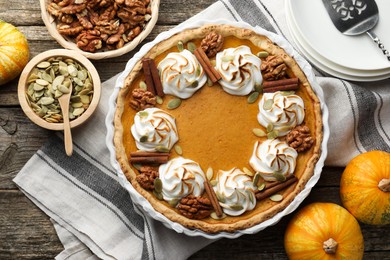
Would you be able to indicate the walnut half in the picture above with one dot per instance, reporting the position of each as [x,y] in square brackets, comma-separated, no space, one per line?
[212,44]
[142,99]
[300,139]
[147,176]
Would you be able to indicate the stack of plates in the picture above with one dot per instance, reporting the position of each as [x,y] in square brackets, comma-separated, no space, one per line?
[349,57]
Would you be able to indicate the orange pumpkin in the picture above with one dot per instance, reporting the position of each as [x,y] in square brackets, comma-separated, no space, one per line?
[365,187]
[323,231]
[14,52]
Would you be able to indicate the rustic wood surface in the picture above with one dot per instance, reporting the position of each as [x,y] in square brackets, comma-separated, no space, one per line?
[27,233]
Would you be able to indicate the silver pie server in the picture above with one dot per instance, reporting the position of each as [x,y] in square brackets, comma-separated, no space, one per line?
[354,17]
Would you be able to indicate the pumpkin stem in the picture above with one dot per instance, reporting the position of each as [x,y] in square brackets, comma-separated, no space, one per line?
[384,185]
[330,246]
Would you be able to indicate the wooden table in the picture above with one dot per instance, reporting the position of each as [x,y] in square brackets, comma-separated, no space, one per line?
[26,232]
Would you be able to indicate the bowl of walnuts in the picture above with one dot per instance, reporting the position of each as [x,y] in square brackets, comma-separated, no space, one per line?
[99,29]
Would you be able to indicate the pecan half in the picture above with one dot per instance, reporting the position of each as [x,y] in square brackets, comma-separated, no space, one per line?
[194,207]
[300,139]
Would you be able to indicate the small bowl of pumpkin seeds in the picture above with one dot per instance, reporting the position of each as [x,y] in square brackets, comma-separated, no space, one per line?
[47,77]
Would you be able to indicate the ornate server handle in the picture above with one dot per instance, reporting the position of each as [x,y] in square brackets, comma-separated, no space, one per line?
[375,38]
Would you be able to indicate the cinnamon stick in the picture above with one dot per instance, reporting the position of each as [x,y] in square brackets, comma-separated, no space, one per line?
[268,191]
[148,75]
[204,61]
[156,78]
[149,159]
[152,77]
[146,154]
[281,82]
[281,88]
[213,198]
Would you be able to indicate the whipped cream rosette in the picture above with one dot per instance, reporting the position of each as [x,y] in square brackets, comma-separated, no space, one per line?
[281,112]
[240,70]
[154,128]
[181,74]
[235,192]
[181,177]
[273,159]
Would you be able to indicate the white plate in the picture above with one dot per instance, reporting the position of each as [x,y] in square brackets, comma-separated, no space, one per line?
[325,64]
[145,205]
[353,52]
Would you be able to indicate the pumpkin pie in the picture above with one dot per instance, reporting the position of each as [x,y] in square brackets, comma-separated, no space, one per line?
[218,128]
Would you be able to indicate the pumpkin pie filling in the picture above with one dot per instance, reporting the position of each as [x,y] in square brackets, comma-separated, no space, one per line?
[215,129]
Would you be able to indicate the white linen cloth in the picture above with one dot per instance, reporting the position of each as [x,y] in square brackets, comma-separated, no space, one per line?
[92,213]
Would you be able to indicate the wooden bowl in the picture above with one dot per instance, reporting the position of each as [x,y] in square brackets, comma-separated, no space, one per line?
[23,85]
[71,45]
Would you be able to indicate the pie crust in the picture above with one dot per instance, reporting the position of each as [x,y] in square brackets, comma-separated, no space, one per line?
[214,96]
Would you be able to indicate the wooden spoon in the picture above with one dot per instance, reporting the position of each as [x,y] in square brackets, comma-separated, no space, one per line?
[64,101]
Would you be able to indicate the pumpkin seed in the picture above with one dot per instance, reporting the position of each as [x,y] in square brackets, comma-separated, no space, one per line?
[220,197]
[42,82]
[214,215]
[236,207]
[262,54]
[72,70]
[58,93]
[173,202]
[157,185]
[197,72]
[137,166]
[38,87]
[276,197]
[85,99]
[227,58]
[78,111]
[78,82]
[162,149]
[256,179]
[209,173]
[279,176]
[261,186]
[247,171]
[47,77]
[143,114]
[267,105]
[253,97]
[158,195]
[209,82]
[273,134]
[259,132]
[43,65]
[270,127]
[191,47]
[143,139]
[251,196]
[63,89]
[159,100]
[174,103]
[180,46]
[259,88]
[288,93]
[142,85]
[178,149]
[213,182]
[194,84]
[76,105]
[47,100]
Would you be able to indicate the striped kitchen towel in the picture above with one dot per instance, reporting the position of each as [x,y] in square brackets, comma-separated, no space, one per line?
[93,214]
